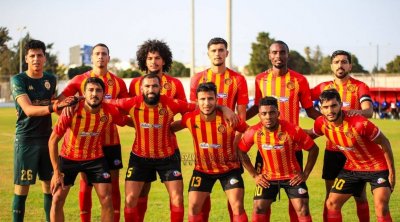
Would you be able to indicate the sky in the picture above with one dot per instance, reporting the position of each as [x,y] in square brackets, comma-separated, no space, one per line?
[358,26]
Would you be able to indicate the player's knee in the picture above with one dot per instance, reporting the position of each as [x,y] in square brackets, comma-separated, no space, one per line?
[237,207]
[259,209]
[176,199]
[131,200]
[194,208]
[332,204]
[58,201]
[381,209]
[303,210]
[106,199]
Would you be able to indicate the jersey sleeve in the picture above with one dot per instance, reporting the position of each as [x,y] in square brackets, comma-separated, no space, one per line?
[303,139]
[243,93]
[247,140]
[242,126]
[132,87]
[185,118]
[318,125]
[367,129]
[73,86]
[180,92]
[18,87]
[257,90]
[123,92]
[62,124]
[181,106]
[363,93]
[124,104]
[315,92]
[194,82]
[305,94]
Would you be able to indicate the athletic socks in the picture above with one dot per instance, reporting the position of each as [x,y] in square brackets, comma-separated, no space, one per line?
[131,214]
[363,211]
[260,217]
[386,218]
[116,199]
[206,208]
[142,207]
[85,201]
[240,218]
[177,213]
[292,213]
[305,218]
[230,211]
[47,199]
[18,207]
[334,216]
[325,213]
[196,218]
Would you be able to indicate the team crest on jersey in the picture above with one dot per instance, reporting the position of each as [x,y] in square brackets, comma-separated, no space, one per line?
[228,81]
[282,136]
[47,84]
[221,129]
[110,82]
[302,191]
[104,118]
[167,86]
[162,111]
[30,87]
[290,85]
[349,135]
[351,88]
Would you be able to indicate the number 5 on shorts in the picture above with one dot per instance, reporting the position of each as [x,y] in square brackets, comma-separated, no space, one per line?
[338,184]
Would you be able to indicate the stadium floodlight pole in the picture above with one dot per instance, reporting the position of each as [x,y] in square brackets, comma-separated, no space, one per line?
[192,42]
[20,47]
[229,31]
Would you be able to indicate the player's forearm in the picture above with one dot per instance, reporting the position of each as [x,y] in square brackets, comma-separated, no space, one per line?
[251,112]
[312,113]
[53,152]
[311,160]
[246,162]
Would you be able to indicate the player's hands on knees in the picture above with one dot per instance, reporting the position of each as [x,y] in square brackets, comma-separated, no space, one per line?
[56,182]
[298,179]
[261,180]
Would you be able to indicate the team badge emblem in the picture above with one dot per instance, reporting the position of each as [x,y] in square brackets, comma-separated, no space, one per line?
[110,82]
[104,118]
[282,137]
[302,191]
[349,135]
[221,129]
[381,180]
[162,111]
[233,181]
[30,87]
[47,84]
[228,81]
[176,173]
[290,85]
[351,88]
[106,175]
[167,86]
[117,162]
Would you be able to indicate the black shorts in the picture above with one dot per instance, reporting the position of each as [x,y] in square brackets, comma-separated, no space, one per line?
[353,182]
[333,164]
[299,191]
[204,182]
[96,170]
[259,161]
[113,156]
[146,169]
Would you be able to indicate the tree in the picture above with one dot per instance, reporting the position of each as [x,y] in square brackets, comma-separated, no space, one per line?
[298,63]
[6,56]
[259,61]
[72,72]
[356,66]
[325,66]
[393,66]
[179,70]
[314,58]
[129,73]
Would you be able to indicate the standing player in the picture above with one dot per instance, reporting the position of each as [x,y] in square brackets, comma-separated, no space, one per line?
[216,156]
[290,88]
[154,56]
[369,157]
[32,91]
[356,100]
[82,149]
[231,89]
[114,88]
[277,141]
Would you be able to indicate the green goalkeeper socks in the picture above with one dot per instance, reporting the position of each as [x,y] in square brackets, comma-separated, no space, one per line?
[18,208]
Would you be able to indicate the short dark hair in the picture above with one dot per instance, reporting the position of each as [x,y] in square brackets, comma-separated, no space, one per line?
[152,75]
[268,101]
[101,45]
[207,87]
[154,46]
[341,52]
[217,40]
[95,80]
[329,94]
[280,42]
[35,44]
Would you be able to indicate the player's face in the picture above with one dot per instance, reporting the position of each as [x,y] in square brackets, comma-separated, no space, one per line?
[217,54]
[100,57]
[151,91]
[340,66]
[278,55]
[35,60]
[269,116]
[154,62]
[206,102]
[93,95]
[331,109]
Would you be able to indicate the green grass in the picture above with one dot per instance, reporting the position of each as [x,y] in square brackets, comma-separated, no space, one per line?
[158,209]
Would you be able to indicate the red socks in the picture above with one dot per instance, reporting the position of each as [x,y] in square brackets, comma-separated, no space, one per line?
[177,213]
[325,213]
[142,207]
[131,214]
[116,199]
[85,201]
[260,217]
[230,211]
[196,218]
[363,211]
[334,216]
[305,218]
[386,218]
[206,208]
[292,213]
[240,218]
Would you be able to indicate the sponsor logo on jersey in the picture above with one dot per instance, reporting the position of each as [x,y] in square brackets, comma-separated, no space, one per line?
[107,96]
[149,125]
[106,175]
[222,95]
[381,180]
[84,134]
[281,99]
[302,191]
[233,181]
[271,147]
[176,173]
[345,148]
[346,104]
[207,145]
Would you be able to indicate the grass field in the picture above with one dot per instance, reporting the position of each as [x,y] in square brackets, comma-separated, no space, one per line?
[158,209]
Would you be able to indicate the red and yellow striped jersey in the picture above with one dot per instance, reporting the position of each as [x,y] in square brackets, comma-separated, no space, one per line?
[277,148]
[352,93]
[290,90]
[213,142]
[231,87]
[354,138]
[170,86]
[153,137]
[115,88]
[83,132]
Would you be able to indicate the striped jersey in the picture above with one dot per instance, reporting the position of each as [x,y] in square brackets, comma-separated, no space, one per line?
[115,88]
[354,138]
[213,142]
[277,148]
[153,137]
[83,132]
[289,89]
[231,87]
